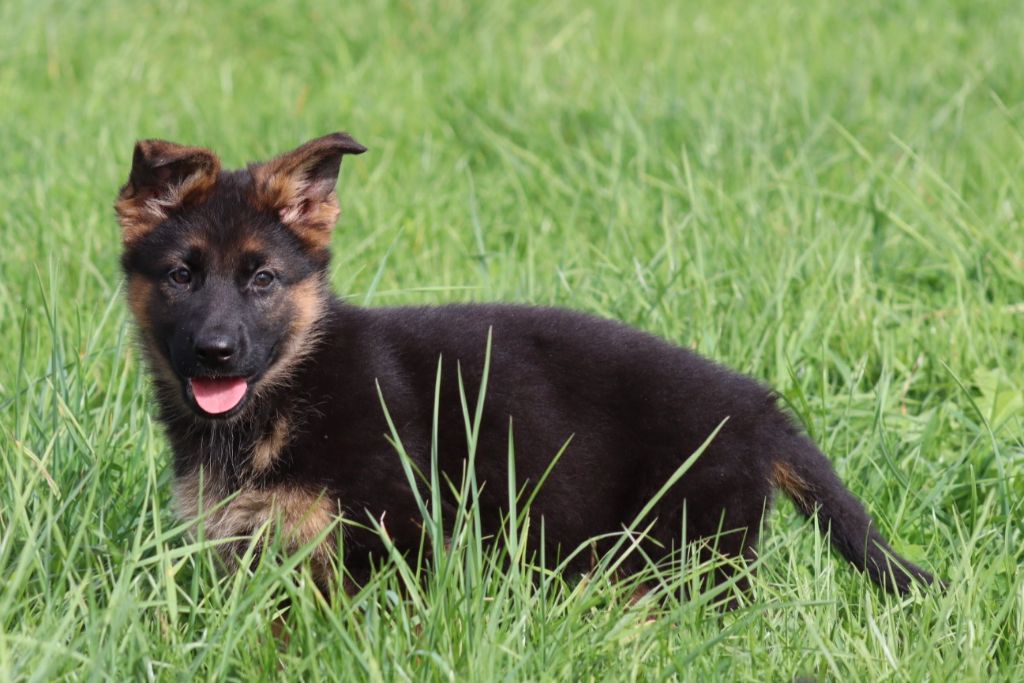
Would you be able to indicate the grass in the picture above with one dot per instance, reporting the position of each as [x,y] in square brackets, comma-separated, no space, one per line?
[825,195]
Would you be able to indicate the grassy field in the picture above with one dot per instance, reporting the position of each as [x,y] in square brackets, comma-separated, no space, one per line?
[825,195]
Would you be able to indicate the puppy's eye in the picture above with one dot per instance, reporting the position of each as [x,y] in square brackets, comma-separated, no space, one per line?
[263,279]
[180,276]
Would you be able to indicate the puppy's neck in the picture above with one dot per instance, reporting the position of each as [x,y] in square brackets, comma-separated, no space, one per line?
[223,449]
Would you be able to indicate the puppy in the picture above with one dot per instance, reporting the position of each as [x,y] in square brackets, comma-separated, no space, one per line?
[267,385]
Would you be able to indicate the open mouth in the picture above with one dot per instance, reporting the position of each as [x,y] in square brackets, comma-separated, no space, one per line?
[218,395]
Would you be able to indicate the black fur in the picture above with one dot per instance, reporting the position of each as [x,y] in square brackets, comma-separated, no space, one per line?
[634,406]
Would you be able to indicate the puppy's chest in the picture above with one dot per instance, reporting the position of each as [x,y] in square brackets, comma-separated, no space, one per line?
[234,487]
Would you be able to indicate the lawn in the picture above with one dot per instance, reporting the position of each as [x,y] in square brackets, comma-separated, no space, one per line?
[825,195]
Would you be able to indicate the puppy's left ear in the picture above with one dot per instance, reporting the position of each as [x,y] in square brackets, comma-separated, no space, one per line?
[299,186]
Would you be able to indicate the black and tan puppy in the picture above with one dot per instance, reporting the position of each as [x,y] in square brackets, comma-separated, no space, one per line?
[267,385]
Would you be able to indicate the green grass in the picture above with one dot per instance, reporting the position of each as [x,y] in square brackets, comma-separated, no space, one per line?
[825,195]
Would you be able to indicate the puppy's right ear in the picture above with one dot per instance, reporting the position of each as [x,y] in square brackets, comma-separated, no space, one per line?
[165,177]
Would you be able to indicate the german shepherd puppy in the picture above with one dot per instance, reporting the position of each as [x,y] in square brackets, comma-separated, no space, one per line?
[267,385]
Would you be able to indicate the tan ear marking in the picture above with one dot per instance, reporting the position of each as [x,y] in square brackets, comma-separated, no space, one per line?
[299,186]
[165,176]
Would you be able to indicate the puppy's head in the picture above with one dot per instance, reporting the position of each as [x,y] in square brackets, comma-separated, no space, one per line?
[226,269]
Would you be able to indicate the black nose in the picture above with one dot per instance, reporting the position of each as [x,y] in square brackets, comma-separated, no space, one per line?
[215,349]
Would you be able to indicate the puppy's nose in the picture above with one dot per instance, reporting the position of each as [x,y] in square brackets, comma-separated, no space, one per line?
[215,349]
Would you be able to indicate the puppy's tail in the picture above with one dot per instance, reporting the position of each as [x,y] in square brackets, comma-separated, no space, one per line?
[806,476]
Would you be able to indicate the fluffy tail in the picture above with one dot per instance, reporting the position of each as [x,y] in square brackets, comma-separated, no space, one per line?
[807,477]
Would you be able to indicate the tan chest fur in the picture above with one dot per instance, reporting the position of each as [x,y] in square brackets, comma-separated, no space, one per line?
[298,515]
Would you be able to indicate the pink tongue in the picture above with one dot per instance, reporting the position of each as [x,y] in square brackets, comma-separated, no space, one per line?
[218,395]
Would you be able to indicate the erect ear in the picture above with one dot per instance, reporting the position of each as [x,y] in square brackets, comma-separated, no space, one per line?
[165,176]
[299,186]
